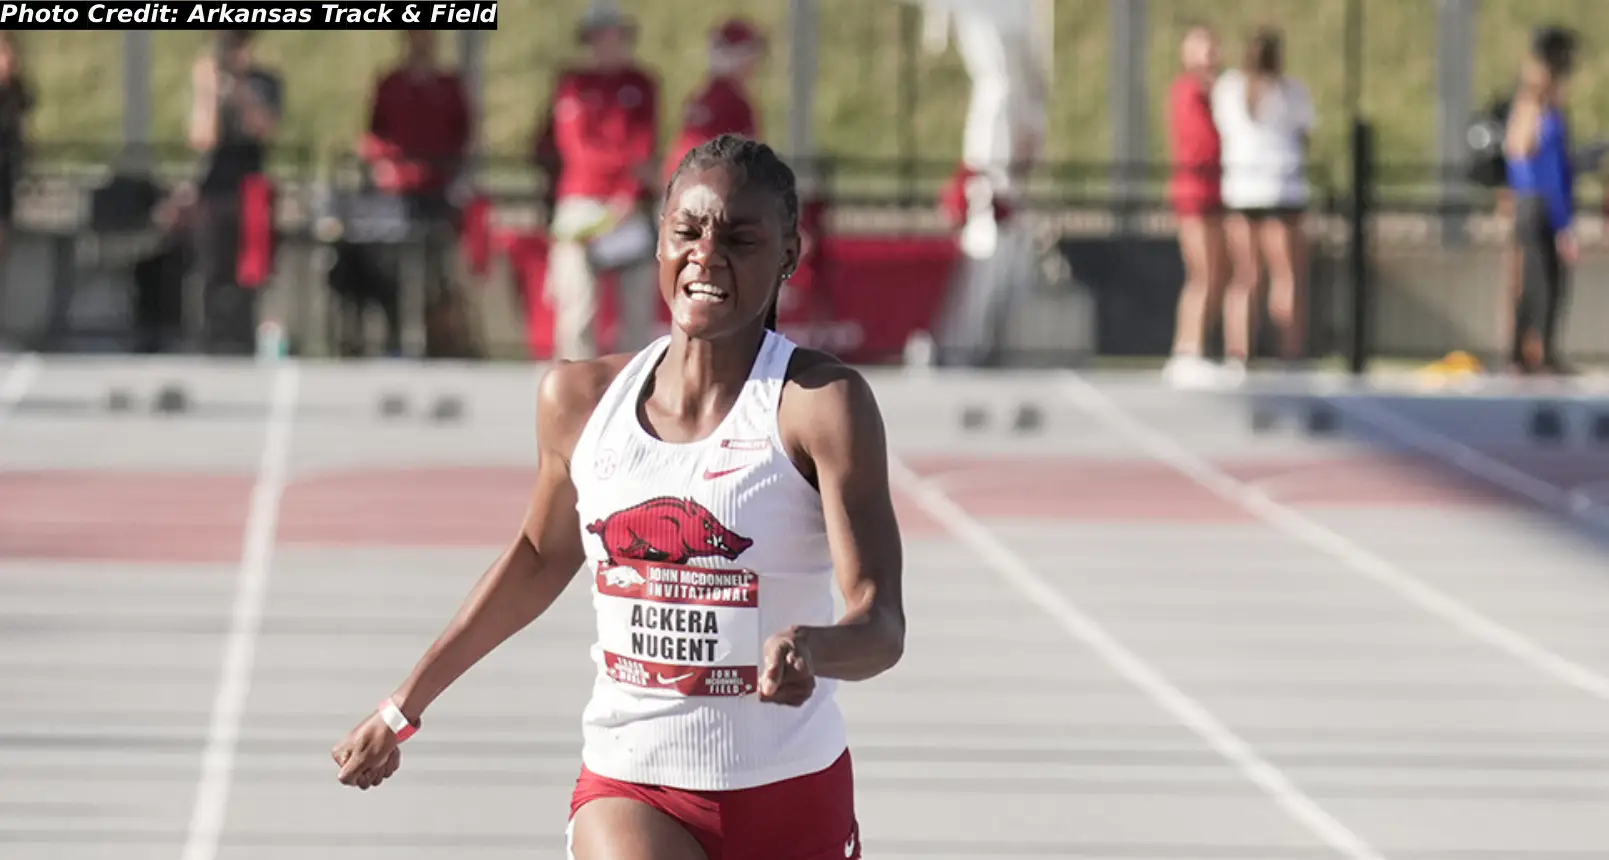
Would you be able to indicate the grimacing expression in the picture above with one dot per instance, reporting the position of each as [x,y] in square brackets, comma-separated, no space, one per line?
[722,251]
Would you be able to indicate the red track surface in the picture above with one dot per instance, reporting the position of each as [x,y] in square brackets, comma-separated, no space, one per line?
[175,518]
[123,516]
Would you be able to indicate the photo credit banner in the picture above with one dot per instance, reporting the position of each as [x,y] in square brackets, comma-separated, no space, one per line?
[252,14]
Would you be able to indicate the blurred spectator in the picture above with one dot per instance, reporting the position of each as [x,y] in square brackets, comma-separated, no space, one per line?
[234,115]
[722,106]
[605,129]
[420,130]
[16,102]
[1265,118]
[1198,205]
[419,123]
[1542,176]
[1004,136]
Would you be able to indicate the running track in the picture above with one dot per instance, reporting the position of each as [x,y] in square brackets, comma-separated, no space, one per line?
[1142,634]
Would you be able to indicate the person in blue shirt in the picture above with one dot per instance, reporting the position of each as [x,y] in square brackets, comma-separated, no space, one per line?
[1540,173]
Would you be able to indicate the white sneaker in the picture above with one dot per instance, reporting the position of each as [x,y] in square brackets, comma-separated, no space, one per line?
[1189,372]
[1232,373]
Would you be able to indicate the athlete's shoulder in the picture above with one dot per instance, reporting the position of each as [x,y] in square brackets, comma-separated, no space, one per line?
[808,362]
[822,380]
[828,418]
[571,390]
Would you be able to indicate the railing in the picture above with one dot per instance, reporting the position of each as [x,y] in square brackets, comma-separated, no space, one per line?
[94,223]
[1436,278]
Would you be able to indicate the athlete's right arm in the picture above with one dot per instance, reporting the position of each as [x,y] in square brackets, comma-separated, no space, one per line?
[538,564]
[523,582]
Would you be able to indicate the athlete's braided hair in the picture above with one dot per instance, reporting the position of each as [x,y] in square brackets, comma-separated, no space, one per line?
[754,162]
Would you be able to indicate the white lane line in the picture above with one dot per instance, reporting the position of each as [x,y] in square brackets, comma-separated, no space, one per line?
[19,378]
[1290,480]
[1574,502]
[1010,567]
[1164,449]
[245,622]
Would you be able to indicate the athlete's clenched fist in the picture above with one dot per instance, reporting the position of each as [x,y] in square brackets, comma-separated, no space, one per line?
[787,677]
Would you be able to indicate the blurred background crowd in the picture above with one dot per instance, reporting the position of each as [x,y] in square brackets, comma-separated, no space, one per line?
[1200,184]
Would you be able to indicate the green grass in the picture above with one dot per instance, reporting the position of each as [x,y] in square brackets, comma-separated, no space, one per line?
[858,110]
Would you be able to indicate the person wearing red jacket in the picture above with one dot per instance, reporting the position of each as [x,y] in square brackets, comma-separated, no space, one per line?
[419,123]
[605,130]
[722,106]
[1197,199]
[418,138]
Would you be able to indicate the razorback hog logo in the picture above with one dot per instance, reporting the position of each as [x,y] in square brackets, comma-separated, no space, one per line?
[667,530]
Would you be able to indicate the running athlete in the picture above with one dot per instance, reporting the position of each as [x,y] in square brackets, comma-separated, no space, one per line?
[713,485]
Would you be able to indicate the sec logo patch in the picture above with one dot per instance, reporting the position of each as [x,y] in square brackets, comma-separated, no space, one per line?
[606,464]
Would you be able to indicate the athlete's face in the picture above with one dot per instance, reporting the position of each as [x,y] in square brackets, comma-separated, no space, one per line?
[722,252]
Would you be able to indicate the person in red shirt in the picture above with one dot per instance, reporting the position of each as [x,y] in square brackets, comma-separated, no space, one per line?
[1197,202]
[419,123]
[419,135]
[605,131]
[722,106]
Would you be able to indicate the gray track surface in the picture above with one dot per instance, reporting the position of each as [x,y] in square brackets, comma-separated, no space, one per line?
[1274,583]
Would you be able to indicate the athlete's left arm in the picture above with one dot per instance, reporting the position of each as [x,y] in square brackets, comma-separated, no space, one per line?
[841,437]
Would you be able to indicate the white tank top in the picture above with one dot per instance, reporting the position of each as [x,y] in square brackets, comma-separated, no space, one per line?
[698,553]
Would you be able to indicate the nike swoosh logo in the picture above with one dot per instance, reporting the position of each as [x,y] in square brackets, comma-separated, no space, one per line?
[668,681]
[849,847]
[711,474]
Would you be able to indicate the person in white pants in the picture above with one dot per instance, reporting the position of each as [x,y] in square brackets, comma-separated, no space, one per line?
[1004,135]
[605,127]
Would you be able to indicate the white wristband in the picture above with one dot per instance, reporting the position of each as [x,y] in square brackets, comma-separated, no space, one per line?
[394,718]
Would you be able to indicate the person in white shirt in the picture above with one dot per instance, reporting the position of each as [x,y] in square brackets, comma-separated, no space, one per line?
[1264,119]
[1004,137]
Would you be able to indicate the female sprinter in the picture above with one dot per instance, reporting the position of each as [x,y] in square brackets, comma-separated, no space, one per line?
[714,485]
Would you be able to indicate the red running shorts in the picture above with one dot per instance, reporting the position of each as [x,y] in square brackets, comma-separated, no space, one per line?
[810,817]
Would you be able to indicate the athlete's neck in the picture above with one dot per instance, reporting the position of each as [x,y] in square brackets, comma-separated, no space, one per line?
[700,376]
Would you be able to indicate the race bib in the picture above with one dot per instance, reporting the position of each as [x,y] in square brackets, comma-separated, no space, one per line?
[691,630]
